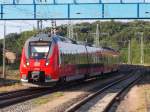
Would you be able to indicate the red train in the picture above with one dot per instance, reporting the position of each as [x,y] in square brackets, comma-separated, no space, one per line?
[51,59]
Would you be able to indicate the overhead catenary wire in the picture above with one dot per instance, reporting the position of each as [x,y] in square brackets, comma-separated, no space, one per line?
[73,1]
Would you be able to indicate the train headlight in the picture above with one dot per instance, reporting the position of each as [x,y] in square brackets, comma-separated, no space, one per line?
[27,63]
[47,63]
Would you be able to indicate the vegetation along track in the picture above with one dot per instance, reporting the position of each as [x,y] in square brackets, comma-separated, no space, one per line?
[121,85]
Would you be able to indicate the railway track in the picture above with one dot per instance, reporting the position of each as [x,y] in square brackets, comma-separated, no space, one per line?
[116,88]
[14,97]
[119,95]
[20,96]
[10,98]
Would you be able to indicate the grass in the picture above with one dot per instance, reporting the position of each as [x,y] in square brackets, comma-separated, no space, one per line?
[12,74]
[12,81]
[46,99]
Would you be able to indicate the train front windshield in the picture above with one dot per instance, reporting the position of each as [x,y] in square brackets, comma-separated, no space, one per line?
[39,50]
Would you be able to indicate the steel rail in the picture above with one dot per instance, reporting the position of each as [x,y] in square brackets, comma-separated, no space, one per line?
[77,105]
[10,98]
[117,97]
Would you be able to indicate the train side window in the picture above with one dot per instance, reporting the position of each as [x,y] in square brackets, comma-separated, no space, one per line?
[105,59]
[71,58]
[65,58]
[86,60]
[91,59]
[95,59]
[68,58]
[80,58]
[75,55]
[74,60]
[100,58]
[108,62]
[77,58]
[62,58]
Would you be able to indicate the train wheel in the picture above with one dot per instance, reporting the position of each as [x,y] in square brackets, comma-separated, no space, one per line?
[86,76]
[99,76]
[62,80]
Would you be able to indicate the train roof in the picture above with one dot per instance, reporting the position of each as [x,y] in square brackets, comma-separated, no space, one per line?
[40,37]
[47,37]
[56,38]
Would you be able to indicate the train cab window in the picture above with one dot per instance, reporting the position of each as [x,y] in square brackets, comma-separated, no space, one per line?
[39,50]
[61,58]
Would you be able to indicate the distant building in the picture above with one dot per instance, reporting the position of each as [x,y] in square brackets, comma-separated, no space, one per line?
[11,57]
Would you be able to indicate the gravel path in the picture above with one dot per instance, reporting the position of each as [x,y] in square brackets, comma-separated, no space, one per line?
[21,107]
